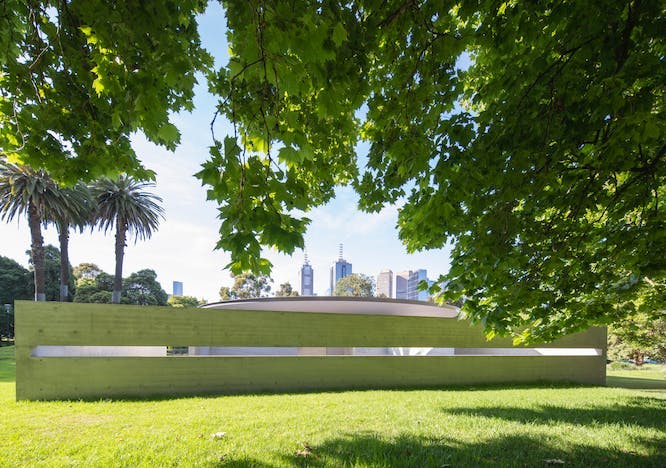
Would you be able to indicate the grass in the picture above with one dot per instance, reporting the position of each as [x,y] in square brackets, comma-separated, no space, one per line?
[495,426]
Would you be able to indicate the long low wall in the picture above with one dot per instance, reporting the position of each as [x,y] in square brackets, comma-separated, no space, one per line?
[55,361]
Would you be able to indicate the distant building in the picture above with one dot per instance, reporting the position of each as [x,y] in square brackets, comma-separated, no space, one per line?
[402,284]
[413,292]
[385,283]
[177,288]
[307,278]
[339,270]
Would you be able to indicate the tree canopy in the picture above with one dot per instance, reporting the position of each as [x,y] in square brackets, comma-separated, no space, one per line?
[528,134]
[247,286]
[79,76]
[15,282]
[286,290]
[357,285]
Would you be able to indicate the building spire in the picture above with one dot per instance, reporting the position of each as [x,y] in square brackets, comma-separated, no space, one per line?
[306,262]
[340,252]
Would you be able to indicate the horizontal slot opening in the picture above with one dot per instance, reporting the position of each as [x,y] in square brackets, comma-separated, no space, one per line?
[282,351]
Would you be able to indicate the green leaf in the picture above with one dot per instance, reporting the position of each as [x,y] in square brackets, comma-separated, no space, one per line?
[339,34]
[169,133]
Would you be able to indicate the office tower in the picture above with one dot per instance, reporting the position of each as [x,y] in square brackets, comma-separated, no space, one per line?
[177,288]
[339,270]
[401,284]
[412,286]
[385,283]
[307,278]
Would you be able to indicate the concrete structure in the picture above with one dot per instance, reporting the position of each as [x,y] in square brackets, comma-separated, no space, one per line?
[401,284]
[307,278]
[385,284]
[177,288]
[339,270]
[278,344]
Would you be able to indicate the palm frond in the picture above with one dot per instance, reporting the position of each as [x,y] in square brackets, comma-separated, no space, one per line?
[124,200]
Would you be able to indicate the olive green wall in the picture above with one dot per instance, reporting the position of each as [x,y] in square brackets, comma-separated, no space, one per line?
[51,323]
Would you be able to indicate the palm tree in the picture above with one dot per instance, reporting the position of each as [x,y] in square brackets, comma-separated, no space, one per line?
[76,212]
[124,203]
[34,194]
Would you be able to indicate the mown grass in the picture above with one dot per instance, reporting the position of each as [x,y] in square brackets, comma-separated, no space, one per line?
[498,426]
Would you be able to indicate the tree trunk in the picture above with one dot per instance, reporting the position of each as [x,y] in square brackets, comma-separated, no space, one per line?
[37,247]
[121,231]
[63,234]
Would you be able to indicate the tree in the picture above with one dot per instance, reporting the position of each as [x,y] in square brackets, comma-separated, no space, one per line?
[79,77]
[246,286]
[75,211]
[89,291]
[528,134]
[93,285]
[86,270]
[638,337]
[24,191]
[184,302]
[15,282]
[123,203]
[52,274]
[286,290]
[142,288]
[357,285]
[541,159]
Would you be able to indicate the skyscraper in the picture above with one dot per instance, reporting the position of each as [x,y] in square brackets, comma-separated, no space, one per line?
[339,270]
[413,292]
[177,288]
[385,283]
[401,284]
[307,278]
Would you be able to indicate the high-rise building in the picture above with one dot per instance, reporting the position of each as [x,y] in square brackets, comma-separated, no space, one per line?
[339,270]
[177,288]
[385,284]
[401,284]
[413,292]
[307,278]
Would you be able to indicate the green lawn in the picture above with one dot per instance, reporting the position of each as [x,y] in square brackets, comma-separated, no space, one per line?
[495,426]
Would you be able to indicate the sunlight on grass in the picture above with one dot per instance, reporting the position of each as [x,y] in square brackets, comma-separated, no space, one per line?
[496,426]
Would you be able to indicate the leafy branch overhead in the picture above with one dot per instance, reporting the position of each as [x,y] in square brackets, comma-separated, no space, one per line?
[529,134]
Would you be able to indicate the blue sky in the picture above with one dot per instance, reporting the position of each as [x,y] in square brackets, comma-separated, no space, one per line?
[182,249]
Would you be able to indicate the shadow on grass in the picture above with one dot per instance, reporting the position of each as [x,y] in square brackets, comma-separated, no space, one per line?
[644,412]
[411,451]
[635,383]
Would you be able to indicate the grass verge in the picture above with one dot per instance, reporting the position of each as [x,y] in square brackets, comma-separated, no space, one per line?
[508,426]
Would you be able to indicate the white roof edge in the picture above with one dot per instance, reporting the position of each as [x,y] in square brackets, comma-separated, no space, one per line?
[340,305]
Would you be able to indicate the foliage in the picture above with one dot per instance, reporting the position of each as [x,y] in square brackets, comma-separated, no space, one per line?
[358,285]
[52,273]
[142,288]
[638,337]
[528,133]
[86,270]
[15,282]
[286,290]
[94,290]
[78,77]
[123,202]
[246,286]
[184,301]
[34,194]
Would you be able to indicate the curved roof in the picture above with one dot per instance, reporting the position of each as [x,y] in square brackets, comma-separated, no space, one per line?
[340,305]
